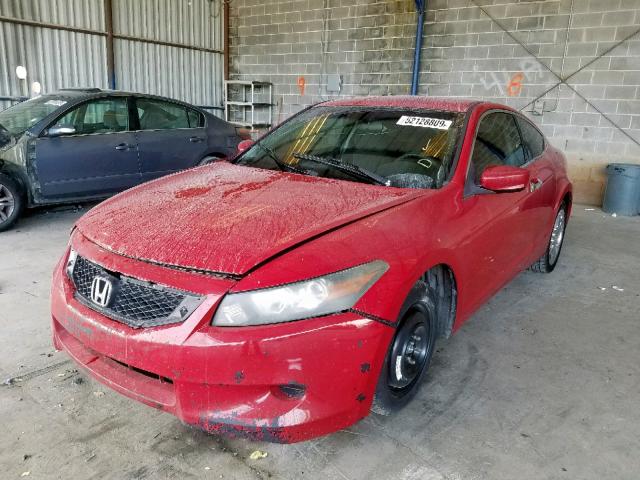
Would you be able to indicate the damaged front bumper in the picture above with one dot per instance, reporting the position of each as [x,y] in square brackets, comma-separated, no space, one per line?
[281,383]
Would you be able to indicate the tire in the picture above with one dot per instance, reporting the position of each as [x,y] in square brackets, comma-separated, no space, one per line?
[11,202]
[547,262]
[399,380]
[208,159]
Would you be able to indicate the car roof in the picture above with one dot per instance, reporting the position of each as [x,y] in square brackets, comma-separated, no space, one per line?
[79,94]
[407,101]
[84,92]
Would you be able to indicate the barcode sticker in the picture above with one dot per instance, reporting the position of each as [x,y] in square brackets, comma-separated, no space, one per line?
[425,122]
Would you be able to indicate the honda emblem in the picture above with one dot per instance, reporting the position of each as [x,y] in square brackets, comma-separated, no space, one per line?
[101,289]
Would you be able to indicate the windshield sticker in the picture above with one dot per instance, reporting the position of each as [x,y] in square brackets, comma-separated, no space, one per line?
[425,122]
[55,103]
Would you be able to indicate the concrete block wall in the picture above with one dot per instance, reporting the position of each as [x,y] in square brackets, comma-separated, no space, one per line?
[513,52]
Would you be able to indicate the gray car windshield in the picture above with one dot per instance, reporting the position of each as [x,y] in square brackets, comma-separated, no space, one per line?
[19,118]
[400,148]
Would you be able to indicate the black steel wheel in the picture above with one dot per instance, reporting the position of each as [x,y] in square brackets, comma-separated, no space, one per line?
[409,354]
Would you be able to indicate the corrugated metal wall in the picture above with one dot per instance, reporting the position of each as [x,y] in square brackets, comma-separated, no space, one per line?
[189,22]
[87,14]
[55,58]
[192,75]
[58,58]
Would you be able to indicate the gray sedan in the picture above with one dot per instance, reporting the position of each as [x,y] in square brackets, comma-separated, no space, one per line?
[86,144]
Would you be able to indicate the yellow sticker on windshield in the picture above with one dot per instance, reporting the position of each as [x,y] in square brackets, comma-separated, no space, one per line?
[425,122]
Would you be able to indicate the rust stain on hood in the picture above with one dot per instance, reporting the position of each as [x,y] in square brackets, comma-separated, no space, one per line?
[227,218]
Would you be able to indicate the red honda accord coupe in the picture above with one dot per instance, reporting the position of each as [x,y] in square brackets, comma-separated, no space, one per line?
[287,293]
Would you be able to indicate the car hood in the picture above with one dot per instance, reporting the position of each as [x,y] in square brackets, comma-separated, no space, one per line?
[226,218]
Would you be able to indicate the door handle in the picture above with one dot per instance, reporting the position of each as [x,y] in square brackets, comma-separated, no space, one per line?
[195,139]
[535,184]
[123,146]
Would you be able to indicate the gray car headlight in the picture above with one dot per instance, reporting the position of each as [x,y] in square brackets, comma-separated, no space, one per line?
[331,293]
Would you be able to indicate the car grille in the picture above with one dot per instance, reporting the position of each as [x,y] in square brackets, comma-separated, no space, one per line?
[133,302]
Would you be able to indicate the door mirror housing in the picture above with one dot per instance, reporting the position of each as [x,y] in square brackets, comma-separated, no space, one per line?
[505,178]
[61,130]
[245,145]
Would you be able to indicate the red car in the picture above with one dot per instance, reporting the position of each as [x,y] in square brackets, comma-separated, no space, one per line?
[285,294]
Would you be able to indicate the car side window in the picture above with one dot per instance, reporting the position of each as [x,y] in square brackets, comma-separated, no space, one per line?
[106,115]
[159,115]
[533,139]
[497,142]
[196,119]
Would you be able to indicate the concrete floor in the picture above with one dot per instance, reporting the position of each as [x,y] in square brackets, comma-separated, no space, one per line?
[543,382]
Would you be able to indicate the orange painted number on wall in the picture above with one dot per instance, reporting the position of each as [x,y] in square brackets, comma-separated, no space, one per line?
[515,85]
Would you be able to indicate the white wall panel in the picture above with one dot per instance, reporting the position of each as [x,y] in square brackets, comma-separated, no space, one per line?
[194,22]
[87,14]
[55,58]
[189,75]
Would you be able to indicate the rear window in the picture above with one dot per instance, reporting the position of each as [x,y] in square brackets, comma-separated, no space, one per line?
[412,149]
[158,115]
[533,139]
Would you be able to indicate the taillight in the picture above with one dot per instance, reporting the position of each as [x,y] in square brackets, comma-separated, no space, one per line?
[243,133]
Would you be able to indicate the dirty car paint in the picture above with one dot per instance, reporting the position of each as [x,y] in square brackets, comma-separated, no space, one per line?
[225,228]
[225,218]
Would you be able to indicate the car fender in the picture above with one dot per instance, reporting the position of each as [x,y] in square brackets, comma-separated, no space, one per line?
[564,186]
[408,259]
[13,164]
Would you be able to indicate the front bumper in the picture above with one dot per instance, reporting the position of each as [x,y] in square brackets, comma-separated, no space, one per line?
[282,383]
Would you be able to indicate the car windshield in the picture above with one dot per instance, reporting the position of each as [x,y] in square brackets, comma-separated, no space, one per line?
[400,148]
[19,118]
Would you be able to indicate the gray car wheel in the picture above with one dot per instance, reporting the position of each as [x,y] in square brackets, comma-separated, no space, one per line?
[548,261]
[11,202]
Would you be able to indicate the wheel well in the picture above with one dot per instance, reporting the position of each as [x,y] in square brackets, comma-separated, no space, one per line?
[442,281]
[15,177]
[214,154]
[567,200]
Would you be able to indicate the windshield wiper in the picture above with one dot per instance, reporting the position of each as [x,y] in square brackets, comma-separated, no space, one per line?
[281,164]
[353,170]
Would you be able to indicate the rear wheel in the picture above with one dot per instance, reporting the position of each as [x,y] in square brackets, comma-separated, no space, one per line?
[408,357]
[547,262]
[11,202]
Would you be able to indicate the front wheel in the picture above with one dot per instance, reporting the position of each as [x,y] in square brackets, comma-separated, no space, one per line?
[408,357]
[547,262]
[11,202]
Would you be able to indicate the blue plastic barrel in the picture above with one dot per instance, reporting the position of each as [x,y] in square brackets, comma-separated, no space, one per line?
[622,194]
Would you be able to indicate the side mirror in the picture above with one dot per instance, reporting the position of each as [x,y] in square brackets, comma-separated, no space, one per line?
[61,130]
[504,178]
[245,145]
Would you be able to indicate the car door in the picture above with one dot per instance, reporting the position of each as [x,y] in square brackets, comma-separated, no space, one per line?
[542,196]
[171,137]
[98,157]
[496,223]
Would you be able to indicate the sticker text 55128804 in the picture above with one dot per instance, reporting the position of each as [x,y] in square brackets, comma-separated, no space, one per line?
[425,122]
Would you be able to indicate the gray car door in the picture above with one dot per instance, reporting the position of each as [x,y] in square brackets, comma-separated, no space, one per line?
[99,158]
[171,137]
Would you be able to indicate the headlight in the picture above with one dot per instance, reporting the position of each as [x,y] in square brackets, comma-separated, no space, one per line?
[332,293]
[71,262]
